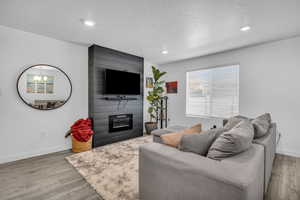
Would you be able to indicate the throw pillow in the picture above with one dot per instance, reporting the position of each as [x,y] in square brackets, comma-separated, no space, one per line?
[225,121]
[173,139]
[232,122]
[261,125]
[232,142]
[199,143]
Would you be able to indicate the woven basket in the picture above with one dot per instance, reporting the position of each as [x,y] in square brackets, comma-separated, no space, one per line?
[78,146]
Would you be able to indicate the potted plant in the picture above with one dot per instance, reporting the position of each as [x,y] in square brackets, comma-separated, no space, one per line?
[154,97]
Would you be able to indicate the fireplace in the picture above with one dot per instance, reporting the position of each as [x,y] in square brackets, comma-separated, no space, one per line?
[120,122]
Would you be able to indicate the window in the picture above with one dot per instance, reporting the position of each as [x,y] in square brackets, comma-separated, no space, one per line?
[213,92]
[42,84]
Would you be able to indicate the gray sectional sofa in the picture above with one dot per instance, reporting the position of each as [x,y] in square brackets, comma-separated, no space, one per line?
[167,173]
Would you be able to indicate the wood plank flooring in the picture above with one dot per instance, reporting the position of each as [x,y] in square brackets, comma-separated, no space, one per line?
[285,180]
[51,177]
[48,177]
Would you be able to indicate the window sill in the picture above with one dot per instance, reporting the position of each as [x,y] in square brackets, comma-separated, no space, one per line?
[204,116]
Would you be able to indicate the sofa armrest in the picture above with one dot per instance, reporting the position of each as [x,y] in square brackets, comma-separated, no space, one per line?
[269,143]
[167,173]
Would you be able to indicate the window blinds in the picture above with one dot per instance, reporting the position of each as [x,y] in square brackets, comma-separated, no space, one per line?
[213,92]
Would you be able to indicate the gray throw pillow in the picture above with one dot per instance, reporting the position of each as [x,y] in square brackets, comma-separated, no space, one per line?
[199,143]
[232,142]
[261,125]
[232,122]
[225,121]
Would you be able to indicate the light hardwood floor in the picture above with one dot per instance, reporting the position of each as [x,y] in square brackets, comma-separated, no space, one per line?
[51,177]
[48,177]
[285,180]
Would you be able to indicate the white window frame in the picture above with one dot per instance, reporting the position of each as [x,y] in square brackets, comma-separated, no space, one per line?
[187,91]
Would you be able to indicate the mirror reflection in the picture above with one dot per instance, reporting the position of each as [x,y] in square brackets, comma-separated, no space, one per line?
[44,87]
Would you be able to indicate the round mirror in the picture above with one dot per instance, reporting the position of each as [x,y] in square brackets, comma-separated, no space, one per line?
[44,87]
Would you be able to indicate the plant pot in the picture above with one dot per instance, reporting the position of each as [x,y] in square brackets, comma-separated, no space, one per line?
[150,126]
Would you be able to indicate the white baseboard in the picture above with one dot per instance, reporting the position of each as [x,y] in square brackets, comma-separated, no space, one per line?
[288,153]
[24,155]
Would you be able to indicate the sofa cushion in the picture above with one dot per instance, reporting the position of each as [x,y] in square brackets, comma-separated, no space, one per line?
[171,129]
[199,143]
[233,121]
[232,142]
[225,121]
[173,139]
[261,125]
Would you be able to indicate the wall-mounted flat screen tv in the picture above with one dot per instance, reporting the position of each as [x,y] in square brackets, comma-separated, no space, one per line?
[122,83]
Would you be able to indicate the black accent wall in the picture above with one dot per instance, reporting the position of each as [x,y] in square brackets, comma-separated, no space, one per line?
[102,106]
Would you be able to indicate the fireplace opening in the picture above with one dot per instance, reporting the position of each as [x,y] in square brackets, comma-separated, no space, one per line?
[120,122]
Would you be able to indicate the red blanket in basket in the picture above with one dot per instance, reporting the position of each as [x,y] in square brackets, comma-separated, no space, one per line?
[81,130]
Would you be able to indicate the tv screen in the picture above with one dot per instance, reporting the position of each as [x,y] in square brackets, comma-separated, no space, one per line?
[121,82]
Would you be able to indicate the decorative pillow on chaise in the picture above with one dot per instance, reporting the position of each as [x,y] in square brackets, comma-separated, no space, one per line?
[173,139]
[199,143]
[232,142]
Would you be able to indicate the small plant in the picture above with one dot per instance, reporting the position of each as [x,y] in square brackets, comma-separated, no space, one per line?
[154,96]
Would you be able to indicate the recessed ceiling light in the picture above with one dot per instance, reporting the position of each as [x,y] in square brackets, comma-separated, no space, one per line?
[88,22]
[245,28]
[164,52]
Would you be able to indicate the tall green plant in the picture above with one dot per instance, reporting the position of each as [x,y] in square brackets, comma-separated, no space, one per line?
[155,94]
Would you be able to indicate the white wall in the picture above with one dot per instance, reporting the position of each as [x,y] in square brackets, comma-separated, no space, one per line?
[269,82]
[26,132]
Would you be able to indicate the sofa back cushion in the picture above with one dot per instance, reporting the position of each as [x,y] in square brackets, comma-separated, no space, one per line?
[232,122]
[199,143]
[173,139]
[261,125]
[232,142]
